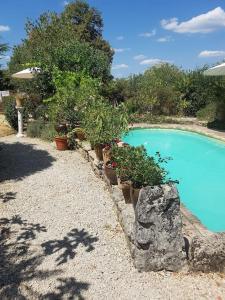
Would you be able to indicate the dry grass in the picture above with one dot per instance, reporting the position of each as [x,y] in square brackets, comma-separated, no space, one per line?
[5,129]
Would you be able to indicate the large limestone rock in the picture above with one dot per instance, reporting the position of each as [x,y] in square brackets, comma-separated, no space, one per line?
[158,230]
[207,253]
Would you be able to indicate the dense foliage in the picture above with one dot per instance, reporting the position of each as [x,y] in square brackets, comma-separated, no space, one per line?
[103,122]
[10,112]
[4,76]
[135,165]
[168,90]
[40,129]
[71,41]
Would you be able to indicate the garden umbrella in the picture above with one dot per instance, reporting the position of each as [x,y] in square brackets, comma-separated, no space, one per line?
[216,71]
[27,73]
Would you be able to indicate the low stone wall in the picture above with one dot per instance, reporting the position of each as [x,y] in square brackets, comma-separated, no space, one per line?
[160,233]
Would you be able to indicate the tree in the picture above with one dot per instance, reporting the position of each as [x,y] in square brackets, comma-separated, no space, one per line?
[198,90]
[86,24]
[70,41]
[156,91]
[3,49]
[4,76]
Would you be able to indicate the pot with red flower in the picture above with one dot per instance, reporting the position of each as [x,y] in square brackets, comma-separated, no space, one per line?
[110,172]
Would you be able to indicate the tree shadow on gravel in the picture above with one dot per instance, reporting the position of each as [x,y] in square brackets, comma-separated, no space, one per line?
[18,261]
[19,160]
[68,245]
[6,197]
[69,287]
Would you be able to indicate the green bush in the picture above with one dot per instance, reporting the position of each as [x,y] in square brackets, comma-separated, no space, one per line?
[48,132]
[39,129]
[34,128]
[207,113]
[103,122]
[134,164]
[9,106]
[11,114]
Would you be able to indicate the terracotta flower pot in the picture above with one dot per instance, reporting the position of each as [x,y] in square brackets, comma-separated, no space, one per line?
[61,143]
[98,151]
[111,175]
[125,186]
[134,194]
[106,155]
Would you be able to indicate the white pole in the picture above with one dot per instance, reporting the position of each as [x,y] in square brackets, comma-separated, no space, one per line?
[20,121]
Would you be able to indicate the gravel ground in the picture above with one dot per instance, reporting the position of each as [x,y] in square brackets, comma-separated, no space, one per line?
[60,238]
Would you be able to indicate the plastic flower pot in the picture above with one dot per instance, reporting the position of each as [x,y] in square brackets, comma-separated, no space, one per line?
[98,151]
[110,173]
[125,186]
[134,194]
[61,143]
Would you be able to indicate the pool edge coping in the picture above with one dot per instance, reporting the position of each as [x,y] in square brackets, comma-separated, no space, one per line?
[190,128]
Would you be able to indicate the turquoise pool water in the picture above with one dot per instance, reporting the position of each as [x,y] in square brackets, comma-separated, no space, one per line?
[199,165]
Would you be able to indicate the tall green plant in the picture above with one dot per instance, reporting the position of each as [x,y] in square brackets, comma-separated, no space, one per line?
[103,122]
[74,92]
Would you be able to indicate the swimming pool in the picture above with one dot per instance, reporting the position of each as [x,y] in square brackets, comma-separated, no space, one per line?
[199,165]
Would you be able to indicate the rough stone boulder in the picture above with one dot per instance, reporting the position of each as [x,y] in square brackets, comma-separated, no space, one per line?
[158,229]
[207,253]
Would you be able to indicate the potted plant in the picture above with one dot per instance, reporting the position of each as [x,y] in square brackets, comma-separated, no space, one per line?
[136,169]
[110,172]
[61,137]
[61,142]
[121,155]
[102,123]
[146,172]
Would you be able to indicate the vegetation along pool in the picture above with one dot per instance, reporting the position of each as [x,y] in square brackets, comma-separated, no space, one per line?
[199,166]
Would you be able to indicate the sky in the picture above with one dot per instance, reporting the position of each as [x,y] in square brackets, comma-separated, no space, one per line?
[187,33]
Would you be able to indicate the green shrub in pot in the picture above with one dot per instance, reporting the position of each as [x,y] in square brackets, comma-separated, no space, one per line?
[133,164]
[103,122]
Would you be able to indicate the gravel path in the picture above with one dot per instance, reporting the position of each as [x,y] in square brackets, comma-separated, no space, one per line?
[60,238]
